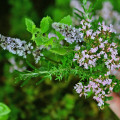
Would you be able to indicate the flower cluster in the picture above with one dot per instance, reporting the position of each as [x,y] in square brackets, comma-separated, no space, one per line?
[107,13]
[87,57]
[100,87]
[37,54]
[15,46]
[99,48]
[20,48]
[70,33]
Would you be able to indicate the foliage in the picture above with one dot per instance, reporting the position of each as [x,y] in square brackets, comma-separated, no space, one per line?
[50,99]
[91,46]
[90,62]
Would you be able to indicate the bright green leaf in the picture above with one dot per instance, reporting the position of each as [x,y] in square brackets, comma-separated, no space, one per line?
[40,40]
[4,111]
[50,41]
[30,25]
[67,20]
[59,51]
[45,24]
[59,35]
[35,32]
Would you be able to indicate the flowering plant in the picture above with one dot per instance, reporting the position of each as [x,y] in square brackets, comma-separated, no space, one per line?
[88,50]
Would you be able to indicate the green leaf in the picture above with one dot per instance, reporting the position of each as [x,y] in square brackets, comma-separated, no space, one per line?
[25,81]
[45,24]
[35,32]
[89,94]
[42,40]
[67,20]
[91,70]
[55,58]
[59,35]
[77,13]
[40,81]
[4,111]
[59,51]
[50,41]
[108,98]
[117,87]
[30,25]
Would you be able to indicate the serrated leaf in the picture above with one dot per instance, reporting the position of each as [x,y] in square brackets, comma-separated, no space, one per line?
[44,40]
[67,20]
[59,51]
[41,40]
[56,58]
[50,41]
[45,24]
[30,25]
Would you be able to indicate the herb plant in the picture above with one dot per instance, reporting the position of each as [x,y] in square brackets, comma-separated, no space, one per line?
[88,50]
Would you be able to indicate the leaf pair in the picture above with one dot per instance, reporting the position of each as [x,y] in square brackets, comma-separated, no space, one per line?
[37,33]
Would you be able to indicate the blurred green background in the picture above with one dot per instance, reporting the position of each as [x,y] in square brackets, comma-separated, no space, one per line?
[50,100]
